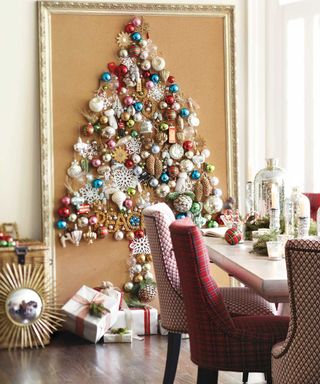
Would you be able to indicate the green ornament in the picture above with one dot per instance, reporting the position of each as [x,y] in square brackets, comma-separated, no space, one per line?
[130,123]
[3,243]
[196,208]
[131,191]
[97,128]
[213,224]
[209,167]
[134,133]
[164,126]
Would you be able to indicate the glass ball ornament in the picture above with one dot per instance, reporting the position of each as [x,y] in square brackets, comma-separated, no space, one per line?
[145,154]
[196,208]
[181,216]
[149,85]
[217,192]
[64,212]
[128,286]
[146,267]
[138,278]
[162,190]
[106,76]
[61,224]
[118,235]
[139,233]
[214,181]
[172,184]
[164,177]
[83,221]
[176,106]
[96,162]
[72,217]
[189,154]
[97,183]
[137,171]
[136,36]
[66,200]
[141,258]
[153,182]
[184,112]
[148,276]
[145,65]
[130,235]
[102,232]
[195,174]
[93,220]
[131,191]
[212,224]
[213,204]
[207,216]
[174,88]
[123,53]
[138,106]
[137,268]
[96,104]
[186,165]
[209,167]
[136,158]
[155,78]
[155,149]
[205,153]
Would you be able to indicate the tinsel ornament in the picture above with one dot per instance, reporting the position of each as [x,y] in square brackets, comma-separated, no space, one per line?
[233,236]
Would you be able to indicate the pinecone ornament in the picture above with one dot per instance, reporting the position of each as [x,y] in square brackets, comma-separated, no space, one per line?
[182,203]
[147,293]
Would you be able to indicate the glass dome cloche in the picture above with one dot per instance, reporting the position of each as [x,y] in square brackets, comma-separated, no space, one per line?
[266,181]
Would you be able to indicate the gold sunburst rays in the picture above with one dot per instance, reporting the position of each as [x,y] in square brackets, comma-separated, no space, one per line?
[28,313]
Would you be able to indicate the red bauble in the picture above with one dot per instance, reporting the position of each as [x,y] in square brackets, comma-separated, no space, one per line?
[129,163]
[129,28]
[171,79]
[134,50]
[123,69]
[112,66]
[102,232]
[87,130]
[233,236]
[64,212]
[171,114]
[146,74]
[66,200]
[169,99]
[188,145]
[120,124]
[173,170]
[139,233]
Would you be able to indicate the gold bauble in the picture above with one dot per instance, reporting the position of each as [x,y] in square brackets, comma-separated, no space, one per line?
[138,278]
[103,119]
[125,116]
[141,258]
[130,235]
[149,258]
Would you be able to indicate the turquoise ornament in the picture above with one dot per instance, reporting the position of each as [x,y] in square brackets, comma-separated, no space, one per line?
[155,78]
[134,221]
[138,106]
[181,216]
[136,36]
[195,174]
[134,134]
[174,88]
[106,76]
[164,177]
[61,224]
[184,112]
[97,183]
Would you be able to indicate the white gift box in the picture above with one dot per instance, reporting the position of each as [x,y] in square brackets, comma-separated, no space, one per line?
[142,321]
[80,321]
[118,338]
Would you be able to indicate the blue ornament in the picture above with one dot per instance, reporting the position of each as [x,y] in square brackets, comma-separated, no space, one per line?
[106,76]
[61,224]
[155,78]
[181,216]
[184,112]
[134,221]
[174,88]
[154,182]
[164,177]
[97,183]
[195,174]
[155,148]
[136,36]
[138,106]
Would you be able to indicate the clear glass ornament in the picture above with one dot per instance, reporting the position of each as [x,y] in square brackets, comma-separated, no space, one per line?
[270,177]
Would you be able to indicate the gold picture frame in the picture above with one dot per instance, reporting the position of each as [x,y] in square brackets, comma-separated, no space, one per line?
[50,13]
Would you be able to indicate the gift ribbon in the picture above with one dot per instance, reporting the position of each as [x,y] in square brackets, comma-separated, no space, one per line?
[84,310]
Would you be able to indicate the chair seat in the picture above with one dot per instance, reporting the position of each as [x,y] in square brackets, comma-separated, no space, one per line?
[243,301]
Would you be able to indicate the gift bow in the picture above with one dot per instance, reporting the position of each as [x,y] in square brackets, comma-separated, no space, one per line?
[97,299]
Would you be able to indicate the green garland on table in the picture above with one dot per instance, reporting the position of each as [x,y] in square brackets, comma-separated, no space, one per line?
[260,246]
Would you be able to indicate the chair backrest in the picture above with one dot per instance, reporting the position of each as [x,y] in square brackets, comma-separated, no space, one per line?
[303,347]
[157,219]
[204,304]
[314,203]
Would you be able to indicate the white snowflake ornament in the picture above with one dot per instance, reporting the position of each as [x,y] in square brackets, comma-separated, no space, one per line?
[157,92]
[123,178]
[140,245]
[90,194]
[133,146]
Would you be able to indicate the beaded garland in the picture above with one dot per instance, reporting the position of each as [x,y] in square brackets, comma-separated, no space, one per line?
[139,145]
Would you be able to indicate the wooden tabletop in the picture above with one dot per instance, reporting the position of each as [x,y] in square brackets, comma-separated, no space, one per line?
[267,277]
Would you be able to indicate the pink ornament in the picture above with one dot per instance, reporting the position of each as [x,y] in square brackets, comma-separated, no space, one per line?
[149,84]
[93,220]
[128,203]
[66,200]
[111,144]
[128,100]
[136,21]
[96,163]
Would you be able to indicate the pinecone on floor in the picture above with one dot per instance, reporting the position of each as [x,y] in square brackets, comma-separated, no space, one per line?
[147,293]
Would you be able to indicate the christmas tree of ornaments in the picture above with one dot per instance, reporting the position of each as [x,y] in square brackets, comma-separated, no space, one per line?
[139,145]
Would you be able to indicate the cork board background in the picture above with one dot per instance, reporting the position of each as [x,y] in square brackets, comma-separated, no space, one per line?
[82,45]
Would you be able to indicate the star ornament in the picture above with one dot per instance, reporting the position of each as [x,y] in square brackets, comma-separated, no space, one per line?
[123,39]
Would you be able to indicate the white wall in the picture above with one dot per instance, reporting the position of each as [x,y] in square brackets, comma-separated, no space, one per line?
[20,197]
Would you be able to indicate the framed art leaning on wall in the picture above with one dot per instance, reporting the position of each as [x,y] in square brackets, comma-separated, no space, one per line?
[77,41]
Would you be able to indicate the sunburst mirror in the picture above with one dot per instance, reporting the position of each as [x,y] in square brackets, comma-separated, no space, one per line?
[28,314]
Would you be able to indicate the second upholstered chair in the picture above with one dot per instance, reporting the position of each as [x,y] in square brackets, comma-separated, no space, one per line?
[217,340]
[297,359]
[239,301]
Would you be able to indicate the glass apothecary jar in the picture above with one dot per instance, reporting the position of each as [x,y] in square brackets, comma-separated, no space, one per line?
[266,182]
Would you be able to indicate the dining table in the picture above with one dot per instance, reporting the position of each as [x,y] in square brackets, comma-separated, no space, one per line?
[265,276]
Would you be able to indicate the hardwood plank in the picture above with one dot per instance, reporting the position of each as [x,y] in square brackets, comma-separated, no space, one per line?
[70,359]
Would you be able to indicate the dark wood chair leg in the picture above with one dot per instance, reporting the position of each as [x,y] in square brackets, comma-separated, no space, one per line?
[173,351]
[245,377]
[207,376]
[268,377]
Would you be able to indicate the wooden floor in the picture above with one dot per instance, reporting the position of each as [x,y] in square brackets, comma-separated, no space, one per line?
[70,359]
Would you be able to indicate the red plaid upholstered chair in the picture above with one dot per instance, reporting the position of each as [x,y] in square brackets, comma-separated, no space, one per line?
[217,340]
[297,359]
[240,301]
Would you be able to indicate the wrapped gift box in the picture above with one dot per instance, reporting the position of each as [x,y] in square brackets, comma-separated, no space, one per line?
[80,321]
[142,321]
[118,338]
